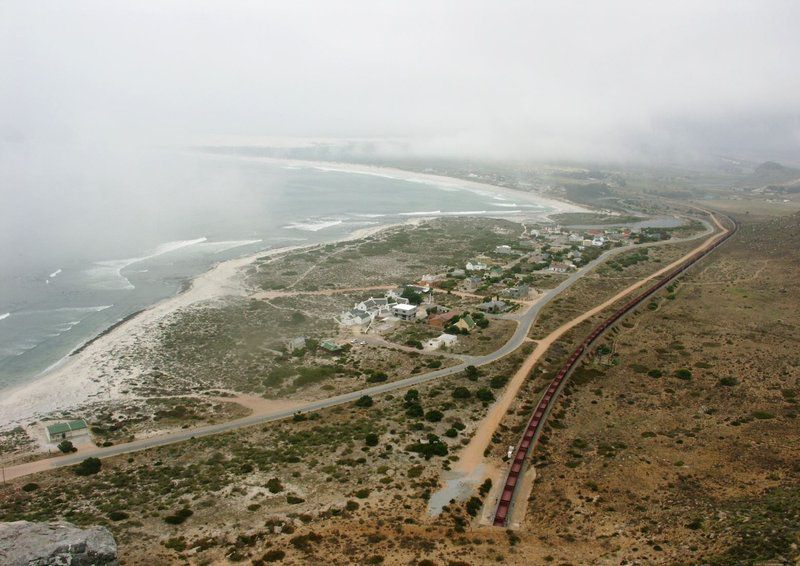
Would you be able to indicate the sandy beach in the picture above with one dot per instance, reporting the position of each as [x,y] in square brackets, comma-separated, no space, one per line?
[92,373]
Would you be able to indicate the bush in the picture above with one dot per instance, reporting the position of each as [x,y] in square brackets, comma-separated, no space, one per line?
[274,555]
[274,485]
[451,433]
[88,467]
[472,373]
[415,410]
[485,395]
[461,393]
[498,381]
[29,487]
[433,364]
[371,439]
[365,401]
[485,487]
[377,377]
[429,449]
[763,415]
[655,373]
[434,416]
[362,493]
[118,515]
[178,517]
[66,446]
[411,396]
[684,374]
[728,381]
[352,505]
[293,499]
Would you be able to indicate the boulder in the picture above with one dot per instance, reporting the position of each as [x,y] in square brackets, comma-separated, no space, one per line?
[23,543]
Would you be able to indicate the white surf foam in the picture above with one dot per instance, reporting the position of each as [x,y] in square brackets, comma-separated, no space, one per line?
[422,213]
[225,245]
[313,226]
[5,316]
[108,274]
[55,273]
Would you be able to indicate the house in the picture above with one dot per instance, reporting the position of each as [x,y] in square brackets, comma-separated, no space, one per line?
[502,249]
[380,304]
[442,341]
[428,279]
[496,272]
[441,320]
[492,306]
[518,292]
[458,273]
[465,323]
[330,346]
[575,237]
[405,312]
[355,317]
[472,283]
[598,241]
[557,267]
[64,431]
[296,344]
[476,266]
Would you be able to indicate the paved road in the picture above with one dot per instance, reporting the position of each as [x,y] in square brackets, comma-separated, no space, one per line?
[525,321]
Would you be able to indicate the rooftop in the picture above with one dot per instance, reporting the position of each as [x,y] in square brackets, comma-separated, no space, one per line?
[59,428]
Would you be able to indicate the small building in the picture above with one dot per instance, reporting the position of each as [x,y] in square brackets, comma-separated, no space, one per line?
[296,344]
[492,306]
[504,249]
[64,431]
[598,241]
[465,323]
[355,317]
[442,319]
[475,266]
[518,292]
[458,273]
[405,312]
[557,267]
[442,341]
[472,283]
[329,346]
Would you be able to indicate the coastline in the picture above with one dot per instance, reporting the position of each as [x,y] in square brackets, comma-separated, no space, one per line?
[86,374]
[560,206]
[80,377]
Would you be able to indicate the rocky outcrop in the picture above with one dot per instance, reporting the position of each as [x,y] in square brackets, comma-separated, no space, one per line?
[43,544]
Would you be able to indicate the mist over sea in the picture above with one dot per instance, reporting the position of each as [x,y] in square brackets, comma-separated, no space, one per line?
[82,251]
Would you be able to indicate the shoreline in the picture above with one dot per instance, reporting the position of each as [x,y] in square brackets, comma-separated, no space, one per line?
[82,376]
[78,378]
[560,206]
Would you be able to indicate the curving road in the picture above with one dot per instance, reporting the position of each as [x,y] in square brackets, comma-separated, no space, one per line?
[524,323]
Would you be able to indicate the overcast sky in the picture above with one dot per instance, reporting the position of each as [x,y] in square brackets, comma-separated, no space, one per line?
[588,80]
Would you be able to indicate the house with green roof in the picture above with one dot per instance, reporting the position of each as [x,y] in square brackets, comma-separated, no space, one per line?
[465,323]
[57,432]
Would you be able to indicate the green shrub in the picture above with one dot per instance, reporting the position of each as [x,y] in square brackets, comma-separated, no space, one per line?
[377,377]
[274,555]
[684,374]
[461,393]
[66,446]
[352,505]
[434,416]
[763,415]
[728,381]
[88,467]
[293,499]
[274,485]
[365,401]
[371,439]
[362,493]
[117,515]
[485,395]
[498,381]
[178,517]
[415,410]
[655,373]
[29,487]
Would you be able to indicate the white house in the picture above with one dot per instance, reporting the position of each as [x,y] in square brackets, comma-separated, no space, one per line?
[476,266]
[598,241]
[504,249]
[356,317]
[405,312]
[557,267]
[440,341]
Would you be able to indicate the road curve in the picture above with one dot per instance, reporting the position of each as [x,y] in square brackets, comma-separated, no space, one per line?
[524,323]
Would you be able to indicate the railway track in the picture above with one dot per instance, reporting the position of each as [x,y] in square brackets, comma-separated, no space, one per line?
[546,403]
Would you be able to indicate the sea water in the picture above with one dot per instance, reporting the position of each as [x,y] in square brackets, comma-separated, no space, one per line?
[93,257]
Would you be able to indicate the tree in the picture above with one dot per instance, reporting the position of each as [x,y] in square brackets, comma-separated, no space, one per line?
[365,401]
[498,381]
[485,395]
[434,416]
[472,373]
[461,393]
[482,322]
[371,439]
[413,297]
[66,446]
[88,467]
[415,410]
[411,396]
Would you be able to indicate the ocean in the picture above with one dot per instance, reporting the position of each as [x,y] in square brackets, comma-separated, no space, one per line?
[90,257]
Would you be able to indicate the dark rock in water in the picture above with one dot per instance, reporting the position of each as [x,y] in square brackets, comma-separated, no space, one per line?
[44,544]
